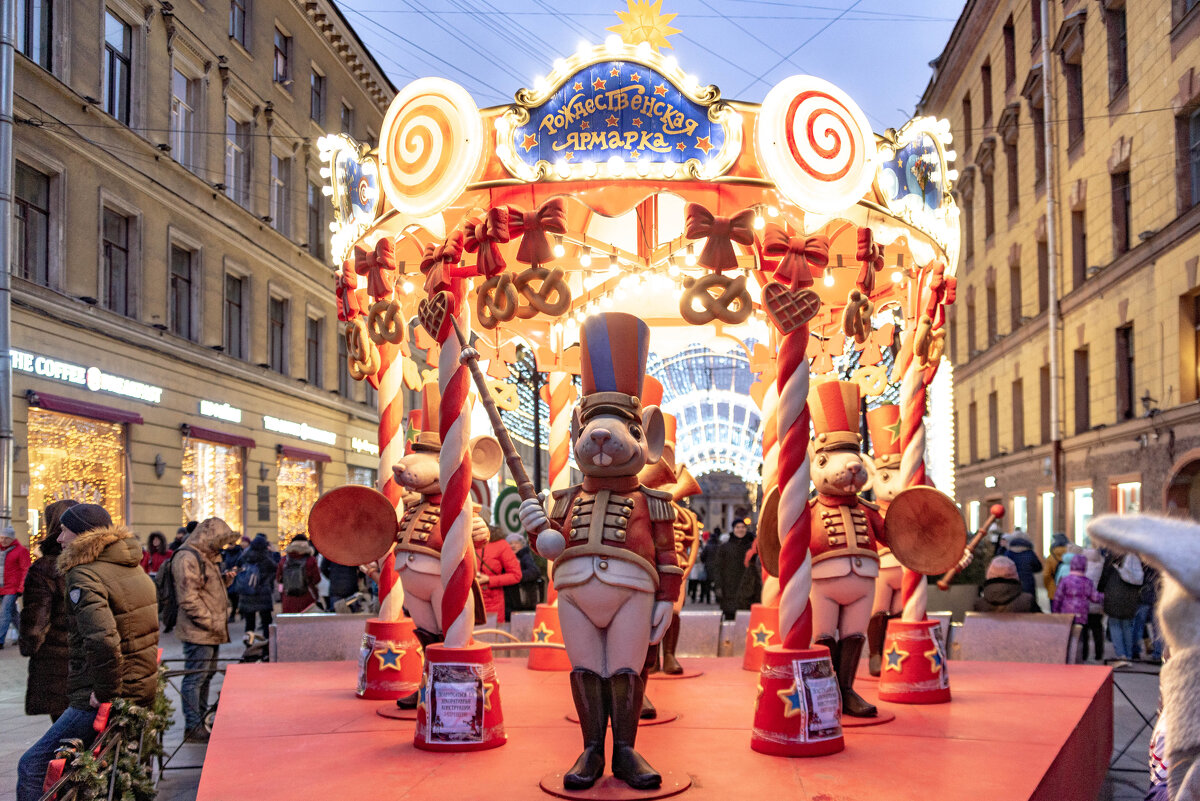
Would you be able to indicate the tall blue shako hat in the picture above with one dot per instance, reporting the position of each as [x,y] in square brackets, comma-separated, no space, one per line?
[614,347]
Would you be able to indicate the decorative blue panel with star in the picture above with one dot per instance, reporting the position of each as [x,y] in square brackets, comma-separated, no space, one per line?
[914,172]
[617,108]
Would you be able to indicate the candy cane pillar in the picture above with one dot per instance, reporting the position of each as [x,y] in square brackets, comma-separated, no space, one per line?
[763,629]
[784,723]
[560,391]
[391,448]
[459,672]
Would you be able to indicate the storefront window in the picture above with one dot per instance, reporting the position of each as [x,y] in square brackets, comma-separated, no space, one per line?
[1020,513]
[76,458]
[213,481]
[973,516]
[1047,521]
[1083,511]
[299,486]
[366,476]
[1127,497]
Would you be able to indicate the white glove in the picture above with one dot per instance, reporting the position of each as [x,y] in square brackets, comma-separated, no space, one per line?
[533,515]
[660,620]
[965,562]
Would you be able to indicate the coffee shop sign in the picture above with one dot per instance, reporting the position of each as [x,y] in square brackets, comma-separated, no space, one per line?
[93,378]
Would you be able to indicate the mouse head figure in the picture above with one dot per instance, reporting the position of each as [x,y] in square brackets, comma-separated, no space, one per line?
[884,424]
[612,432]
[417,470]
[838,467]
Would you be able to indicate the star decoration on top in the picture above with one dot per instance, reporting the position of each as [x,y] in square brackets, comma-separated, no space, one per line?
[529,143]
[635,78]
[612,120]
[578,86]
[637,122]
[389,658]
[703,143]
[598,84]
[894,657]
[542,633]
[488,687]
[645,22]
[793,704]
[661,90]
[762,635]
[935,659]
[615,72]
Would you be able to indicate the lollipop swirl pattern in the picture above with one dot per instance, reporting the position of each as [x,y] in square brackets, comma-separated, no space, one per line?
[821,136]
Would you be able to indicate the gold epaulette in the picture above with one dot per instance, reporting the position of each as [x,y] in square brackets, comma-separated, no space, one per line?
[560,502]
[660,505]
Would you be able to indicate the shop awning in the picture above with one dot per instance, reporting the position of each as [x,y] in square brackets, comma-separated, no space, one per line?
[289,452]
[57,403]
[219,437]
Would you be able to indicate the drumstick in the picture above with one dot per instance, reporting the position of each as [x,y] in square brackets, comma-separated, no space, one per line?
[470,357]
[996,512]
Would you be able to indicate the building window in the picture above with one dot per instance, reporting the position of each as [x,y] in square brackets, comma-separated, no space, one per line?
[213,481]
[1035,21]
[1194,377]
[1047,516]
[312,350]
[1018,415]
[985,77]
[968,217]
[989,206]
[1193,157]
[34,26]
[347,119]
[1125,375]
[238,26]
[972,432]
[1084,504]
[1038,115]
[363,476]
[182,282]
[1010,53]
[1014,297]
[1125,498]
[316,95]
[973,515]
[235,322]
[185,101]
[993,425]
[1014,175]
[1122,212]
[31,224]
[1044,395]
[993,332]
[1043,257]
[283,57]
[281,175]
[316,221]
[1020,513]
[343,369]
[971,340]
[115,242]
[1078,249]
[298,485]
[78,458]
[953,338]
[966,124]
[1083,400]
[237,161]
[277,335]
[1073,74]
[118,63]
[1118,51]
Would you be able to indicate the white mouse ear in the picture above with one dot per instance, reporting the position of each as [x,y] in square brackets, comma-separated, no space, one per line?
[1170,544]
[655,428]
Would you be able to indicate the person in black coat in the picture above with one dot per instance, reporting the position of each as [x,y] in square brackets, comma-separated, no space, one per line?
[343,580]
[1020,550]
[708,558]
[44,624]
[1121,601]
[524,595]
[257,602]
[1002,591]
[732,562]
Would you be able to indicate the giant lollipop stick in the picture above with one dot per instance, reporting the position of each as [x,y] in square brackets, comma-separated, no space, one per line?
[795,561]
[560,392]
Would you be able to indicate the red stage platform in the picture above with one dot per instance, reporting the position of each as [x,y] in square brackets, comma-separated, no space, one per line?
[1014,731]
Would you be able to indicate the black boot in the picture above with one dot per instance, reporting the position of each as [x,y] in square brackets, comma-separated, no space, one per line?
[876,630]
[626,689]
[670,664]
[849,650]
[426,638]
[832,645]
[652,664]
[590,691]
[649,712]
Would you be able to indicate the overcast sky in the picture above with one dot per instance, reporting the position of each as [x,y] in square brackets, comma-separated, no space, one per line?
[877,50]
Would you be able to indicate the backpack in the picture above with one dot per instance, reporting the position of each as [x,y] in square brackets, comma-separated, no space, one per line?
[1130,570]
[295,578]
[247,579]
[168,601]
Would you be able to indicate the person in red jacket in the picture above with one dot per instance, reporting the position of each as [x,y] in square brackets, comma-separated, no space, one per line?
[156,553]
[298,576]
[14,564]
[498,568]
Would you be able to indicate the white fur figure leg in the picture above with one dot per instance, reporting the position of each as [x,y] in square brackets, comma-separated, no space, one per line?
[825,610]
[584,612]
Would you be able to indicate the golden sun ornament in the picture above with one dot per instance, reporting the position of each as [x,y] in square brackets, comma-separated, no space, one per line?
[645,22]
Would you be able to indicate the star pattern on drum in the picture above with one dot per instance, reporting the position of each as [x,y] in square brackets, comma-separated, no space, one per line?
[423,694]
[703,143]
[762,635]
[793,704]
[389,658]
[530,142]
[935,659]
[598,84]
[488,688]
[895,657]
[542,633]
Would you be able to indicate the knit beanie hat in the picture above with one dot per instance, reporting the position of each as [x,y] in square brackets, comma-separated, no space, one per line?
[85,517]
[1002,567]
[259,543]
[1079,563]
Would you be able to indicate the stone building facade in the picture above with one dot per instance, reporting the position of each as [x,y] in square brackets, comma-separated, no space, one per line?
[1125,87]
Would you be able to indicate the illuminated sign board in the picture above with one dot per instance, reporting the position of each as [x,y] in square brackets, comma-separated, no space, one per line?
[299,430]
[364,446]
[93,378]
[221,411]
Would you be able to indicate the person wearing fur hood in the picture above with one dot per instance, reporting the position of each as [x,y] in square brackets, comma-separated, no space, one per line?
[113,632]
[298,595]
[203,624]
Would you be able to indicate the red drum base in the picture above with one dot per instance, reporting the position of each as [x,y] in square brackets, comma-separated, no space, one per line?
[547,630]
[458,708]
[914,664]
[762,631]
[389,665]
[798,711]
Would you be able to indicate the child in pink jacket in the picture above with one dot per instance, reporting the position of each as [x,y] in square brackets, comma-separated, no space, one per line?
[1076,591]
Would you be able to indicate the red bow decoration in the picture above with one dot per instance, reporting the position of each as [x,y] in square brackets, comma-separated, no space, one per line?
[718,253]
[439,262]
[797,255]
[871,256]
[532,227]
[485,237]
[379,266]
[351,301]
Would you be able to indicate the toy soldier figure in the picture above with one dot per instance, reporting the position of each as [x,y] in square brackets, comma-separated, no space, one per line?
[884,424]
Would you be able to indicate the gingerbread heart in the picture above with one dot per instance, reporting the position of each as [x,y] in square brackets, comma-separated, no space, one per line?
[789,308]
[436,314]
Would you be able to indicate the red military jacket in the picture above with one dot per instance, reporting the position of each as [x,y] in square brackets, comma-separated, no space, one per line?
[884,550]
[419,530]
[621,519]
[844,525]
